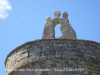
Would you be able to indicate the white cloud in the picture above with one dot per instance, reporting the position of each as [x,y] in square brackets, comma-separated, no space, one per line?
[4,7]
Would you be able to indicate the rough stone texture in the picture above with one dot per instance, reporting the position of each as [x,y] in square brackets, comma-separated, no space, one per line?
[56,56]
[49,29]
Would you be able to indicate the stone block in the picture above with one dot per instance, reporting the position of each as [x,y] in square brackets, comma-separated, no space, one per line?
[60,45]
[52,53]
[55,60]
[18,58]
[13,63]
[59,65]
[43,54]
[47,53]
[29,49]
[13,58]
[50,57]
[19,50]
[42,45]
[53,48]
[86,56]
[27,46]
[48,65]
[83,62]
[43,66]
[70,45]
[22,51]
[32,52]
[45,73]
[64,56]
[49,44]
[53,65]
[61,61]
[43,58]
[24,55]
[79,54]
[34,47]
[23,61]
[38,55]
[45,48]
[55,44]
[37,66]
[57,56]
[48,62]
[79,46]
[31,60]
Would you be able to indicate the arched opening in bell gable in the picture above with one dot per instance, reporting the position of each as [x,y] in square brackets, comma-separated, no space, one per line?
[58,32]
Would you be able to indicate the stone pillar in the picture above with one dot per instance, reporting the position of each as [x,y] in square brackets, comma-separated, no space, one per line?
[48,29]
[67,31]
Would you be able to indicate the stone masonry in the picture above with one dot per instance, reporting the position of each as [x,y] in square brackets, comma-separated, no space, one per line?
[55,53]
[49,29]
[55,56]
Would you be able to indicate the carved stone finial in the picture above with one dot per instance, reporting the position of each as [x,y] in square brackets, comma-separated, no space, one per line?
[48,19]
[57,14]
[65,15]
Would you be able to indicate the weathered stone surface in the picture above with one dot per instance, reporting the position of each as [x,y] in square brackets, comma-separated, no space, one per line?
[24,55]
[45,48]
[32,52]
[57,14]
[33,59]
[67,31]
[36,66]
[65,15]
[43,58]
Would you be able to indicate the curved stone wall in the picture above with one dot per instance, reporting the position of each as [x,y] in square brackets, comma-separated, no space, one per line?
[56,56]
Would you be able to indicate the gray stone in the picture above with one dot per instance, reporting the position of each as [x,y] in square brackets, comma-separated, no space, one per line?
[55,44]
[47,53]
[26,46]
[67,31]
[34,47]
[32,52]
[36,66]
[33,60]
[86,56]
[51,56]
[48,62]
[53,65]
[60,45]
[65,15]
[45,48]
[48,19]
[43,58]
[57,14]
[30,49]
[43,54]
[22,64]
[18,58]
[24,55]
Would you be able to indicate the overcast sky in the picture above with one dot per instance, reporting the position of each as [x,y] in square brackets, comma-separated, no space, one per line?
[23,20]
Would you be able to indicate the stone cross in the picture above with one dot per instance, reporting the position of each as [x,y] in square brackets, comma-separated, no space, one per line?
[49,28]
